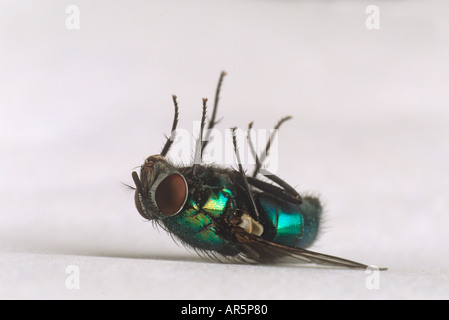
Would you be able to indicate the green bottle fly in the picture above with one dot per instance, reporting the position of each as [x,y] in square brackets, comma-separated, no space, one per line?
[225,212]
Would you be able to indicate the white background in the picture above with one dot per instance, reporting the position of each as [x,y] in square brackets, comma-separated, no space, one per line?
[81,108]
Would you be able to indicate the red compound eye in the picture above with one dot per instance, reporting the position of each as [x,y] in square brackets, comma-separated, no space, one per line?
[171,194]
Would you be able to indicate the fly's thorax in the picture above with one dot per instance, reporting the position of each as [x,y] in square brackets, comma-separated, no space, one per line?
[201,223]
[161,190]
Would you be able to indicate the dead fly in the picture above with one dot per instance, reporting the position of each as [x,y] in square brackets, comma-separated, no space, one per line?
[224,212]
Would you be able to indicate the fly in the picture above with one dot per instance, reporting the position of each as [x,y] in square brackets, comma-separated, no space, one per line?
[224,212]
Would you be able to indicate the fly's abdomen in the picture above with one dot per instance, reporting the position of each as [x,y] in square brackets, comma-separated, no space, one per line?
[287,223]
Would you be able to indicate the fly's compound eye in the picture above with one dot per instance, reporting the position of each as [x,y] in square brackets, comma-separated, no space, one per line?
[171,194]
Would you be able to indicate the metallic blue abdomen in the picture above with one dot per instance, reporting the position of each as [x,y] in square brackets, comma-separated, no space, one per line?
[287,223]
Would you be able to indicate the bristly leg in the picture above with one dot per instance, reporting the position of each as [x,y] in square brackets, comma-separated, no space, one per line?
[171,138]
[243,176]
[274,190]
[267,147]
[199,143]
[212,121]
[293,194]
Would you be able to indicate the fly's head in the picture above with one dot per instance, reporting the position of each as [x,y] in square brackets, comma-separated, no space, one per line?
[161,191]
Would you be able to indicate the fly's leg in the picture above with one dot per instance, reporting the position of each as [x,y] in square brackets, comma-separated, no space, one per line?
[212,121]
[243,177]
[267,147]
[274,190]
[199,143]
[173,128]
[286,190]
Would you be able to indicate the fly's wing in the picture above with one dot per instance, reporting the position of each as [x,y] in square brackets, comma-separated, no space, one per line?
[260,250]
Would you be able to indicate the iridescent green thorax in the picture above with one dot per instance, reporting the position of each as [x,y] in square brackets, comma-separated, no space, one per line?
[196,224]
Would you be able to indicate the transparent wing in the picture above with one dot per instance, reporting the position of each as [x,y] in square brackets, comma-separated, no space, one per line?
[257,249]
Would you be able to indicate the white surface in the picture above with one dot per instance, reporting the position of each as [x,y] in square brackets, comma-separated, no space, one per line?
[80,109]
